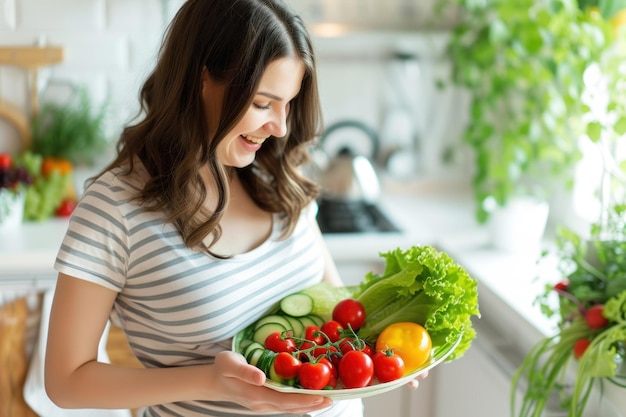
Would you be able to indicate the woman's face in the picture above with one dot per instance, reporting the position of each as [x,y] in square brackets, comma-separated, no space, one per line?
[267,115]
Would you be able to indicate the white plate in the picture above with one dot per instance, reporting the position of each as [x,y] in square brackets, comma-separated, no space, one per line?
[439,354]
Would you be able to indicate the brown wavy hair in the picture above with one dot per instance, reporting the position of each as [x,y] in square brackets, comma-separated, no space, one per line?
[235,40]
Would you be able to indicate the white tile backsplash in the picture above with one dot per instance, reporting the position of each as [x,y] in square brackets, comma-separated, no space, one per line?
[110,47]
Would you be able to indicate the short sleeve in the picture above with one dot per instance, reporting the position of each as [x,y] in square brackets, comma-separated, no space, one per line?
[95,247]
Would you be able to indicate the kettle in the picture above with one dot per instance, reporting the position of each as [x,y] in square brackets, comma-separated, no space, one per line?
[350,176]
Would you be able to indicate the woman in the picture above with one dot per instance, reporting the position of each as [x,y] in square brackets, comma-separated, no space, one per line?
[200,224]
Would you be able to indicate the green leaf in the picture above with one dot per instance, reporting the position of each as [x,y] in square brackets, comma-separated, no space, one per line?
[608,8]
[620,125]
[594,131]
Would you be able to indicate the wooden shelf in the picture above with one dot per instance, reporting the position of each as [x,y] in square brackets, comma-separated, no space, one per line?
[30,57]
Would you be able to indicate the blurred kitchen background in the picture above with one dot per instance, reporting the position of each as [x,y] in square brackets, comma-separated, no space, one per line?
[383,73]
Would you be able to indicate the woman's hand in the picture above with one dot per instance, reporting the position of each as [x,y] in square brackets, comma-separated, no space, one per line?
[242,383]
[415,383]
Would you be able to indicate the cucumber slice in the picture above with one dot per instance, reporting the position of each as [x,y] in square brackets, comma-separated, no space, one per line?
[296,326]
[265,361]
[297,305]
[308,321]
[317,319]
[274,318]
[254,357]
[252,347]
[265,330]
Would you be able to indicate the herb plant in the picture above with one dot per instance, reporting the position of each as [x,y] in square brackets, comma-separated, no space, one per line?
[591,312]
[74,131]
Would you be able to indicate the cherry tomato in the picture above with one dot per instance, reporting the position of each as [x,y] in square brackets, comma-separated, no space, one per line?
[333,330]
[388,366]
[66,208]
[595,317]
[313,334]
[349,313]
[580,347]
[408,340]
[561,286]
[324,351]
[6,161]
[347,344]
[314,375]
[334,377]
[277,342]
[356,369]
[286,365]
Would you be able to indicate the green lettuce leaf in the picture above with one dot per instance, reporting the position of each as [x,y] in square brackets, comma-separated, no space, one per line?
[425,286]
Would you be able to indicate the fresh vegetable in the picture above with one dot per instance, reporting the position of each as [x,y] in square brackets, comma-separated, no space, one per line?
[595,318]
[326,298]
[297,305]
[314,375]
[334,375]
[66,208]
[6,161]
[356,369]
[580,346]
[388,366]
[425,286]
[349,313]
[50,164]
[314,334]
[280,342]
[333,329]
[286,365]
[408,340]
[44,193]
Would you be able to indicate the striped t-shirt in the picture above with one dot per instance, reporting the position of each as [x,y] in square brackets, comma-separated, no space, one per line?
[179,306]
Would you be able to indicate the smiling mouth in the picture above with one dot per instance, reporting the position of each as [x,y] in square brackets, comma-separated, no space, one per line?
[253,139]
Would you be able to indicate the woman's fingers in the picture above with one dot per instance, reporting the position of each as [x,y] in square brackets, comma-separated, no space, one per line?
[234,365]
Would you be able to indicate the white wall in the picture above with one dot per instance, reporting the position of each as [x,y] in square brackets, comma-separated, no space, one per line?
[110,46]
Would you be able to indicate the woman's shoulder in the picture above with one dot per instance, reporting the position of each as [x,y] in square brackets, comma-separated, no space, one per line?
[119,181]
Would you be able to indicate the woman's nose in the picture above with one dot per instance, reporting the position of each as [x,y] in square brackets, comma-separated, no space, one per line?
[278,125]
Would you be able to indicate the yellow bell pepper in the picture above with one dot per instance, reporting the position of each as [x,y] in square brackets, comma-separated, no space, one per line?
[408,340]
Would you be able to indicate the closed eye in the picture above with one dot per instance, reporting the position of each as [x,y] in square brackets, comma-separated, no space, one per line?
[261,106]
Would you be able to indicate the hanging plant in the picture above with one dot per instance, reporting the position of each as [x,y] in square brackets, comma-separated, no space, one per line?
[522,64]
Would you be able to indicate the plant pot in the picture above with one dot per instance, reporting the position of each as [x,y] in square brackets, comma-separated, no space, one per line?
[519,226]
[11,209]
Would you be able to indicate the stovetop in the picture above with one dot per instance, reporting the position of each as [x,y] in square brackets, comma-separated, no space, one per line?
[343,216]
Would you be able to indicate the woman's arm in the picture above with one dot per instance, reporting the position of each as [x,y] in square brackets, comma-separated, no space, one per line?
[75,379]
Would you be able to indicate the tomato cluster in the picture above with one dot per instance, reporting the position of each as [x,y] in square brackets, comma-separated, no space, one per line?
[331,354]
[323,360]
[593,315]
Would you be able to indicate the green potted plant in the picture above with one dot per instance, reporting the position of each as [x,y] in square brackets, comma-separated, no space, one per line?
[522,64]
[589,348]
[73,130]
